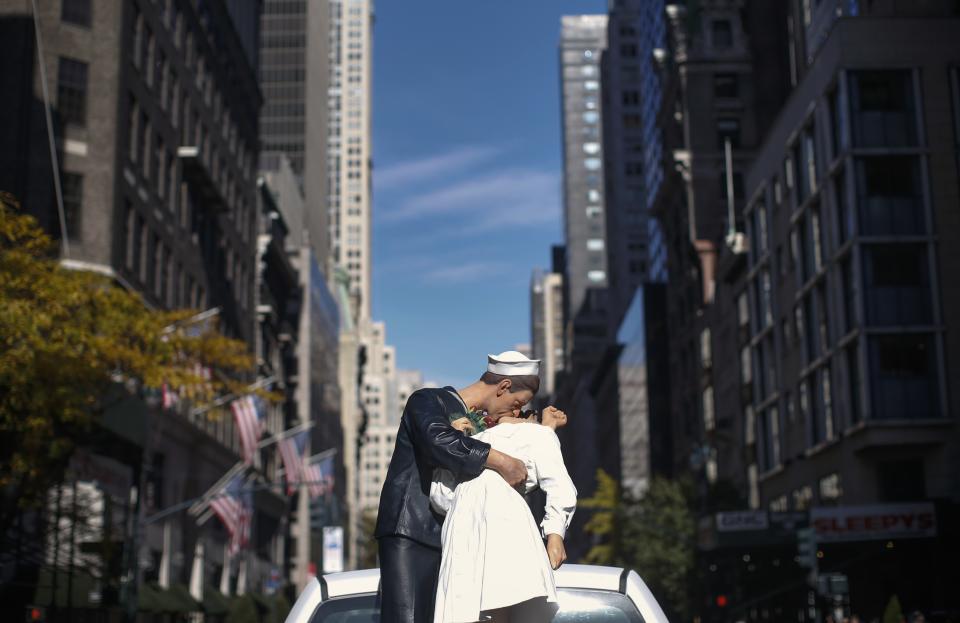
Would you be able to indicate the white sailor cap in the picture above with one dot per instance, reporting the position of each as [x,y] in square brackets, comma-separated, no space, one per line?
[512,363]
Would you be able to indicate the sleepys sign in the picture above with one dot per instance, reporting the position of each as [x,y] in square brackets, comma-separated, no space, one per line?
[877,522]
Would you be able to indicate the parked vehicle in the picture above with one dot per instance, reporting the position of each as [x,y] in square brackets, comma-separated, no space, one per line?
[588,594]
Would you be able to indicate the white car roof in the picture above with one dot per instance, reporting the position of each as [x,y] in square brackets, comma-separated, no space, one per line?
[595,577]
[568,576]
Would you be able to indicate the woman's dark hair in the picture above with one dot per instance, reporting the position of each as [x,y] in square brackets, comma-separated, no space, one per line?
[518,383]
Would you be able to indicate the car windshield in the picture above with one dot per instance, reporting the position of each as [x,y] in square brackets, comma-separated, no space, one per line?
[576,606]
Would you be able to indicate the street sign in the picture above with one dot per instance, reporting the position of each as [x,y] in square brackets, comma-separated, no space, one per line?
[332,549]
[742,520]
[806,548]
[873,523]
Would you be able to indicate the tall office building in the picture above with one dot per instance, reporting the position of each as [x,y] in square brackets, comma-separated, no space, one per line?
[293,120]
[349,146]
[623,69]
[583,40]
[546,327]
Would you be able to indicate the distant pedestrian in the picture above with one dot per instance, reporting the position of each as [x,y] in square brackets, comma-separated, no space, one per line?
[917,617]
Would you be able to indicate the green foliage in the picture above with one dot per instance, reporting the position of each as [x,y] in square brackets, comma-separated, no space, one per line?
[654,535]
[243,609]
[279,609]
[368,546]
[893,613]
[67,340]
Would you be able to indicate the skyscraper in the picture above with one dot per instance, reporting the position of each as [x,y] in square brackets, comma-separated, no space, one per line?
[293,120]
[349,146]
[546,327]
[583,39]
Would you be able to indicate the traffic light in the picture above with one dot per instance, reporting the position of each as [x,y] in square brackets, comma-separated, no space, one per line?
[806,548]
[722,601]
[36,615]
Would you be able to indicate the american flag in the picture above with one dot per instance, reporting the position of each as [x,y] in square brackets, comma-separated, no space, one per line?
[319,475]
[291,451]
[170,397]
[248,414]
[234,506]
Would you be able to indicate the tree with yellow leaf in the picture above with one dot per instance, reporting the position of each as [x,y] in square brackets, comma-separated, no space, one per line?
[68,340]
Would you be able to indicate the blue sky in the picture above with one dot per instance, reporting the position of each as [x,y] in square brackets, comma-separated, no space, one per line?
[467,174]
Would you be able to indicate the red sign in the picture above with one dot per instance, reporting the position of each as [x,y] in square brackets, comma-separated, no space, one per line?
[874,523]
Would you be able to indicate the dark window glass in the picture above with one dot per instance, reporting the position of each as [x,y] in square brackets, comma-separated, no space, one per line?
[726,85]
[728,128]
[903,377]
[853,378]
[72,91]
[76,12]
[896,284]
[849,295]
[72,187]
[837,123]
[889,195]
[722,33]
[129,234]
[901,481]
[802,182]
[882,104]
[844,213]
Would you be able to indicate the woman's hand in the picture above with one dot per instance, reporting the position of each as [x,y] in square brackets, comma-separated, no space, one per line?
[553,417]
[556,552]
[463,425]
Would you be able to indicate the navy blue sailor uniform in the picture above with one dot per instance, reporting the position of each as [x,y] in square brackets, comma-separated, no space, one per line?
[408,530]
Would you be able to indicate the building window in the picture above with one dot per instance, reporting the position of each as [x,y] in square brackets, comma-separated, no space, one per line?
[728,128]
[854,383]
[837,122]
[883,110]
[592,164]
[709,416]
[722,32]
[844,214]
[76,12]
[896,285]
[769,439]
[726,86]
[73,203]
[889,195]
[72,91]
[848,295]
[596,276]
[903,377]
[595,244]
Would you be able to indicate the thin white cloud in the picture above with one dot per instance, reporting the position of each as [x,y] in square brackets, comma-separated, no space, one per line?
[432,167]
[462,273]
[503,197]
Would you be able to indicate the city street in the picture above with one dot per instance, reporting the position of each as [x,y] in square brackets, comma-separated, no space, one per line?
[258,257]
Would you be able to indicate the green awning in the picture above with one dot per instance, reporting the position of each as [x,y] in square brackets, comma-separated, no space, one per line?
[82,586]
[176,599]
[184,601]
[214,602]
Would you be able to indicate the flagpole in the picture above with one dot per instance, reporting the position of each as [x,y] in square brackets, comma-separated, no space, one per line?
[287,433]
[321,455]
[219,402]
[186,322]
